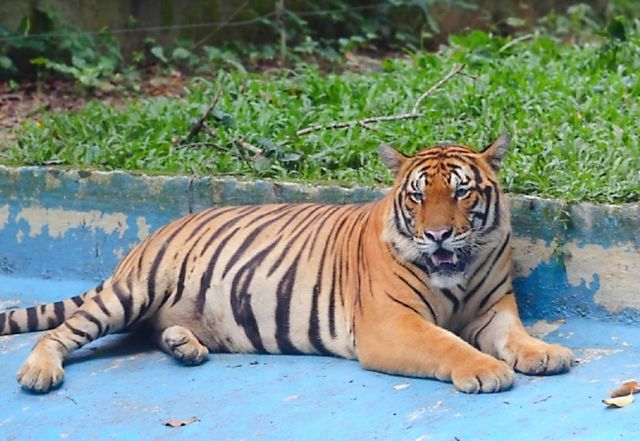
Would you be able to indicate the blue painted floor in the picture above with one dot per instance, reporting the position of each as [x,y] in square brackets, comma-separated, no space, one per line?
[122,388]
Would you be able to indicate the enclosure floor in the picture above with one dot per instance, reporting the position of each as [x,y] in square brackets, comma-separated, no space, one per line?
[123,388]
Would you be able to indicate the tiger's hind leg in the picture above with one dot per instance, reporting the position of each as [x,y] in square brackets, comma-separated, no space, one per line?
[183,345]
[113,310]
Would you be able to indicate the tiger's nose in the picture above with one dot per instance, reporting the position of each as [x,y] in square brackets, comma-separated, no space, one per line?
[438,234]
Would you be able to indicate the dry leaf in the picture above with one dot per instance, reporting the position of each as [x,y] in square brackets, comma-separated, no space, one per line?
[619,401]
[628,387]
[401,386]
[180,423]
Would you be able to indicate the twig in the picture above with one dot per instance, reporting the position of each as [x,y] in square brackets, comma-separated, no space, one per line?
[197,127]
[208,130]
[364,122]
[542,400]
[435,87]
[516,41]
[252,148]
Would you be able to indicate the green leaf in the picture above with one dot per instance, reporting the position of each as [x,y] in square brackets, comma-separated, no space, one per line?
[181,53]
[6,63]
[158,52]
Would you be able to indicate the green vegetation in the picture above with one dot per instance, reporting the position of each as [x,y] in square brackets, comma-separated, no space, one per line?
[572,110]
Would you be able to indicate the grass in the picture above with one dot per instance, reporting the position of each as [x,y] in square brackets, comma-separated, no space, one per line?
[573,113]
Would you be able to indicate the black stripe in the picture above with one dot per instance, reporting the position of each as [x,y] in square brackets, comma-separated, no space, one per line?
[419,294]
[284,293]
[141,253]
[495,288]
[496,218]
[320,226]
[315,336]
[334,235]
[476,337]
[126,301]
[403,304]
[332,301]
[362,263]
[65,347]
[476,174]
[487,200]
[77,300]
[219,230]
[472,291]
[58,310]
[13,325]
[3,320]
[217,212]
[102,306]
[165,297]
[99,288]
[92,319]
[78,332]
[43,309]
[398,214]
[307,211]
[306,222]
[452,298]
[32,319]
[240,298]
[181,278]
[153,271]
[205,280]
[347,262]
[249,239]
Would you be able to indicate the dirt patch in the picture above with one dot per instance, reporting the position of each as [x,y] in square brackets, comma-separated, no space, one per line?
[28,100]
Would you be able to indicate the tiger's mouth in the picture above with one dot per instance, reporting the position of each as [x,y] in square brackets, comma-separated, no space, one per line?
[444,261]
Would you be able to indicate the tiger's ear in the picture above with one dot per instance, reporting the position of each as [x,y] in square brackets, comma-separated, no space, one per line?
[496,151]
[392,158]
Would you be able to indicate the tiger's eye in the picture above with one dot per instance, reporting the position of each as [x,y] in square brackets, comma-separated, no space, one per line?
[416,196]
[461,192]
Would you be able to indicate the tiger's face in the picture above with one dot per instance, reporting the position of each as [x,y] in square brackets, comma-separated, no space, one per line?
[446,205]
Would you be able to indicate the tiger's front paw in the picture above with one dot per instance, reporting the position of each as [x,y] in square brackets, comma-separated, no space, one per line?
[40,374]
[535,357]
[482,374]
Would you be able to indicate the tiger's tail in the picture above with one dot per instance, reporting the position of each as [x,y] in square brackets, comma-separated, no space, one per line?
[43,317]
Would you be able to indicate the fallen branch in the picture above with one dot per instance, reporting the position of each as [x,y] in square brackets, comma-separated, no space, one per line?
[364,122]
[245,145]
[199,124]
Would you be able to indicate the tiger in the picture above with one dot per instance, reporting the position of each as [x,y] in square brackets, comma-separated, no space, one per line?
[417,283]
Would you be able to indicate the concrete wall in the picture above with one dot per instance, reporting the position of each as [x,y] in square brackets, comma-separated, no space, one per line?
[570,259]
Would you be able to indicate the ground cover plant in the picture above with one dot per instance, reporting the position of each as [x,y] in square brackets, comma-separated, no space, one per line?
[572,109]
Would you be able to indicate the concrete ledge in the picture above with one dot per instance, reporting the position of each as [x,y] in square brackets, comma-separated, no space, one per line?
[569,259]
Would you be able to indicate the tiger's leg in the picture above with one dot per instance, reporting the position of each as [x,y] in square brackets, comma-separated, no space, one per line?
[405,343]
[183,345]
[110,311]
[500,332]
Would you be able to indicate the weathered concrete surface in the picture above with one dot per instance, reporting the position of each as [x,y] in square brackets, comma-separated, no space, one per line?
[569,259]
[60,232]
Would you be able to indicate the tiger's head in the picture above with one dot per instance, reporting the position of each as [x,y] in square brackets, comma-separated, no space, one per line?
[447,207]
